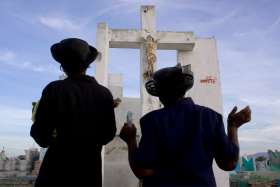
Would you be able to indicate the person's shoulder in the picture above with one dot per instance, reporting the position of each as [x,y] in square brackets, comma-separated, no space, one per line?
[206,109]
[52,85]
[105,91]
[147,116]
[99,87]
[207,112]
[209,119]
[150,116]
[147,122]
[55,83]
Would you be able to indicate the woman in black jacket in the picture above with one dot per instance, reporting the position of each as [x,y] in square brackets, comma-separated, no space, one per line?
[74,119]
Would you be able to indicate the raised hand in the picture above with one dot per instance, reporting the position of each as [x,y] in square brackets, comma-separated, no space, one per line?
[117,102]
[128,132]
[237,119]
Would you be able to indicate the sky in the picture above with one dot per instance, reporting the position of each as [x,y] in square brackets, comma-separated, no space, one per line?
[246,31]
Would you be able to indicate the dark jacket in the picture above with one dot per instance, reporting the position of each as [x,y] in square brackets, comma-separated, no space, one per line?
[75,117]
[179,142]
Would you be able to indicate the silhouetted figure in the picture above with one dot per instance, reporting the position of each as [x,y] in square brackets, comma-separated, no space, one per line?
[74,119]
[180,141]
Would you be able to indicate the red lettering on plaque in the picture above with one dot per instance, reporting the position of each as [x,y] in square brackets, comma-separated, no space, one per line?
[209,80]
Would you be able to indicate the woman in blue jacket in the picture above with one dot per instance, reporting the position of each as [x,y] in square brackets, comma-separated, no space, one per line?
[180,140]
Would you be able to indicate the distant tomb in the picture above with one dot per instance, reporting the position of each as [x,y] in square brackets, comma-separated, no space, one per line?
[20,166]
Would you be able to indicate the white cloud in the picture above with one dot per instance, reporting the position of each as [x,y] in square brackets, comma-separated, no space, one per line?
[33,67]
[263,102]
[7,55]
[59,23]
[26,65]
[214,21]
[260,138]
[10,58]
[223,19]
[120,7]
[250,71]
[260,32]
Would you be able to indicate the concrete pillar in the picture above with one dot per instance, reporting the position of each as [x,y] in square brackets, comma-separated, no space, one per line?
[148,27]
[204,63]
[101,65]
[102,45]
[184,58]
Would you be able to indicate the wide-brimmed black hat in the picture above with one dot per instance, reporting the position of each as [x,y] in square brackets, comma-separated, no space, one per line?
[170,81]
[73,50]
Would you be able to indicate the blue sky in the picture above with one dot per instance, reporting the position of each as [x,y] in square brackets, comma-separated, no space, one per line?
[247,34]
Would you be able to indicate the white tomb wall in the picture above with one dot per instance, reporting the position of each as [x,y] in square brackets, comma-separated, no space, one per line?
[204,62]
[128,103]
[207,85]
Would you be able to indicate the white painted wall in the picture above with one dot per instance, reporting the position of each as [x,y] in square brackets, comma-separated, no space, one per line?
[204,63]
[102,45]
[116,168]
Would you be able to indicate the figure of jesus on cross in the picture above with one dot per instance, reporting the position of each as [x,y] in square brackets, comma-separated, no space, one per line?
[148,40]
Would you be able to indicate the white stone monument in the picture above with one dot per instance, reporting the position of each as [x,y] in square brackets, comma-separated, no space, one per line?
[201,53]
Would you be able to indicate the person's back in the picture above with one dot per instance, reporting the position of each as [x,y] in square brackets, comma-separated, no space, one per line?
[186,137]
[74,119]
[80,108]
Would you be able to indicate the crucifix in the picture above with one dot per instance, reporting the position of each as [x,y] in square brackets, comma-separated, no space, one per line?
[200,52]
[148,40]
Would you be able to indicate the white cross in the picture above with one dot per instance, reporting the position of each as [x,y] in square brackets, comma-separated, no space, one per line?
[130,38]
